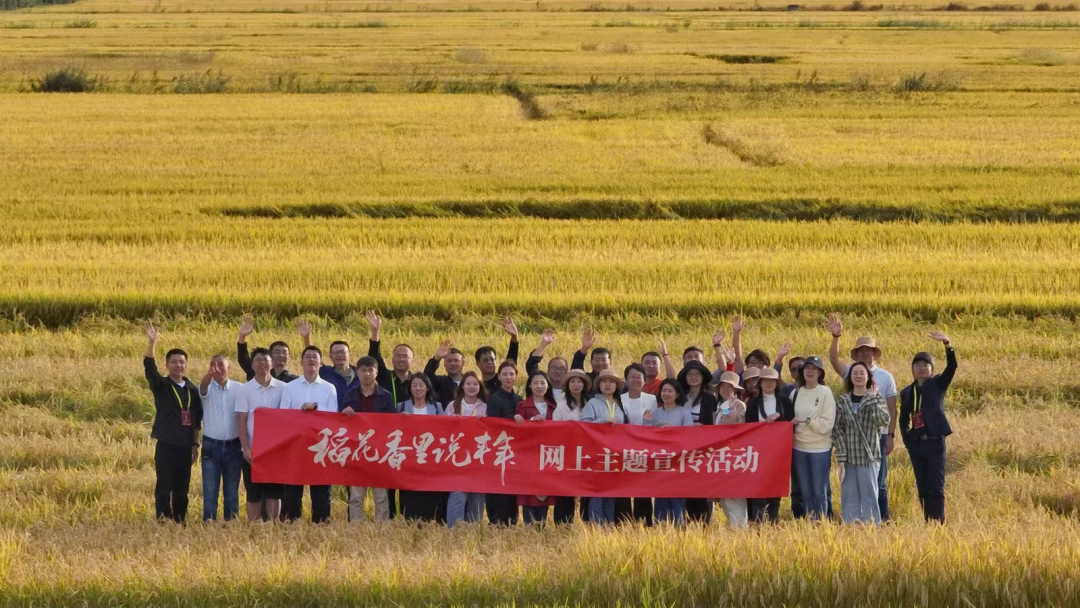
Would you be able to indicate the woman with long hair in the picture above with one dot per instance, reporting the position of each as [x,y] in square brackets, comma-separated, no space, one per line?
[470,400]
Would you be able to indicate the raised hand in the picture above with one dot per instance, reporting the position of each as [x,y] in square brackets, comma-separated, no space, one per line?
[835,326]
[737,325]
[151,333]
[588,339]
[547,337]
[443,350]
[663,348]
[373,320]
[785,350]
[304,327]
[718,338]
[509,327]
[939,336]
[247,326]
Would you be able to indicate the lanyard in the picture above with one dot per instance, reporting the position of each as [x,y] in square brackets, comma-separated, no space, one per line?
[610,409]
[183,407]
[918,399]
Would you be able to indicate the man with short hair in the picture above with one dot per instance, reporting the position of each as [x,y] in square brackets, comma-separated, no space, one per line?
[454,361]
[866,351]
[262,391]
[222,453]
[557,366]
[177,418]
[599,359]
[309,393]
[487,361]
[341,374]
[367,397]
[651,362]
[279,354]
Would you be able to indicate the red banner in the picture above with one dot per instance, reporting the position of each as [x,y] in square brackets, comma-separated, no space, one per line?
[455,453]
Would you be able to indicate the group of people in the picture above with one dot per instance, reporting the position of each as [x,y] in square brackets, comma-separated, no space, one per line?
[858,425]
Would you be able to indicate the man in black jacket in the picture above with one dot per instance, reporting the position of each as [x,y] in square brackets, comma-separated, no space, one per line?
[279,354]
[924,426]
[177,418]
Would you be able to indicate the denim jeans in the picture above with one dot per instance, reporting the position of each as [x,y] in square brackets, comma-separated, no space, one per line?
[464,506]
[670,510]
[813,472]
[221,464]
[883,482]
[601,510]
[859,495]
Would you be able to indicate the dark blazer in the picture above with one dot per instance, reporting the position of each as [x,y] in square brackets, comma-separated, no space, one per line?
[384,401]
[502,404]
[931,400]
[755,410]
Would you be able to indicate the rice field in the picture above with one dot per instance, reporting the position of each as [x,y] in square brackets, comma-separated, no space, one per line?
[645,169]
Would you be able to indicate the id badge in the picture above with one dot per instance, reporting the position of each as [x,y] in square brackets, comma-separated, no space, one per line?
[185,417]
[916,420]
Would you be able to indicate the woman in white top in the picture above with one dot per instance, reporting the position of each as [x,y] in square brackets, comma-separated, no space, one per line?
[469,401]
[569,404]
[731,410]
[417,504]
[815,414]
[575,394]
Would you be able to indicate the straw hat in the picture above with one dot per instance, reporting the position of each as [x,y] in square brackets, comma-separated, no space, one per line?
[866,342]
[769,374]
[580,375]
[609,374]
[751,373]
[730,378]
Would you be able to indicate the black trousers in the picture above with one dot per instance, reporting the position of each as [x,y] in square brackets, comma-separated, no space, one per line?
[392,501]
[172,465]
[565,506]
[630,510]
[928,464]
[502,509]
[763,510]
[292,503]
[423,506]
[699,510]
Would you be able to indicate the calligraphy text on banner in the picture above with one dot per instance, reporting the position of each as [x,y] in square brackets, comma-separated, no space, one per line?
[492,455]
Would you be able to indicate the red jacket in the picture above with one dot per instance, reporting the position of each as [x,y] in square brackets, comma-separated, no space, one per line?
[527,409]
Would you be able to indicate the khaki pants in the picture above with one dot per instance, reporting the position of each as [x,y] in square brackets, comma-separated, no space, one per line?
[358,499]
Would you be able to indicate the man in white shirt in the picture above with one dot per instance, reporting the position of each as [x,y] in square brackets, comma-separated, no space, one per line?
[221,452]
[867,352]
[308,393]
[262,391]
[639,407]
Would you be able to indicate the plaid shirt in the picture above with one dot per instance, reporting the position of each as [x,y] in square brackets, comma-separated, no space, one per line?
[856,435]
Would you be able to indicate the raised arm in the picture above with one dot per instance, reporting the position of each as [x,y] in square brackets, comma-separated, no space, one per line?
[946,377]
[532,364]
[785,350]
[836,328]
[374,346]
[511,328]
[243,357]
[587,340]
[303,326]
[153,378]
[432,367]
[665,356]
[736,343]
[718,350]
